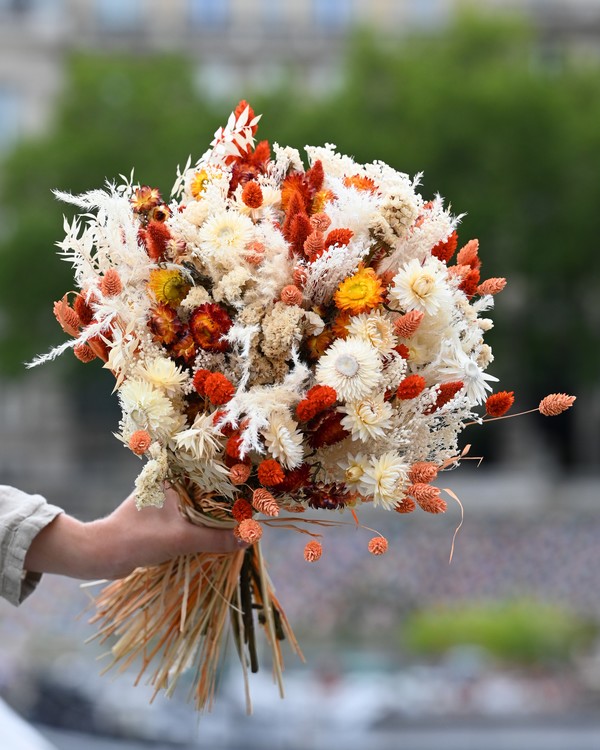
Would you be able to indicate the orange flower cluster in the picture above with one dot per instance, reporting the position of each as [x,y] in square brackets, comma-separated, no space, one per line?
[499,403]
[313,551]
[139,442]
[378,545]
[270,473]
[411,387]
[241,510]
[218,388]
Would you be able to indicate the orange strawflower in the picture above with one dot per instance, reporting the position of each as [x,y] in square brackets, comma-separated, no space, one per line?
[145,199]
[329,430]
[340,237]
[218,388]
[555,404]
[359,293]
[264,502]
[317,345]
[83,353]
[249,530]
[252,194]
[291,295]
[199,183]
[360,183]
[270,473]
[208,324]
[499,403]
[241,510]
[378,545]
[139,442]
[406,325]
[168,287]
[445,250]
[160,213]
[185,348]
[313,551]
[411,387]
[340,325]
[321,199]
[164,324]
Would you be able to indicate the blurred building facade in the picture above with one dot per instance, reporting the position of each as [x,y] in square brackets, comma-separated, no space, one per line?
[237,44]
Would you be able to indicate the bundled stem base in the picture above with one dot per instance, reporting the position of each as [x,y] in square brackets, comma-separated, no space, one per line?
[173,617]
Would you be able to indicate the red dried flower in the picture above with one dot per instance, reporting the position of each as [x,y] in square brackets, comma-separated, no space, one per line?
[67,317]
[499,403]
[340,237]
[402,350]
[270,473]
[411,387]
[328,431]
[294,479]
[99,347]
[208,324]
[111,285]
[156,235]
[139,442]
[467,255]
[218,388]
[313,551]
[239,474]
[406,325]
[249,531]
[445,250]
[252,194]
[291,295]
[83,310]
[299,231]
[264,502]
[185,347]
[407,505]
[83,353]
[164,324]
[233,445]
[422,472]
[470,282]
[315,176]
[378,545]
[327,496]
[447,392]
[241,510]
[555,404]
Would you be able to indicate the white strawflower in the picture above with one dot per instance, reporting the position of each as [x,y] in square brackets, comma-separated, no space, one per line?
[374,328]
[385,478]
[421,287]
[200,441]
[367,419]
[149,408]
[223,238]
[352,367]
[454,364]
[164,374]
[284,440]
[353,467]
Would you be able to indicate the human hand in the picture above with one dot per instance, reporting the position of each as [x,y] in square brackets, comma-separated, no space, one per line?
[114,546]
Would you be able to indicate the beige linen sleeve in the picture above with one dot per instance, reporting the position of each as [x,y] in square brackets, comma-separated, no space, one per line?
[22,517]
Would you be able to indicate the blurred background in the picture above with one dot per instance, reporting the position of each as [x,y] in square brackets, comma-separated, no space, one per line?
[498,104]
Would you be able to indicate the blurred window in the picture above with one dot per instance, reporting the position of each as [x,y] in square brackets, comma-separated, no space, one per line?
[333,15]
[9,117]
[212,13]
[119,15]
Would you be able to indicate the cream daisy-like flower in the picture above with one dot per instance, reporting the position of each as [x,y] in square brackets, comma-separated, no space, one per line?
[374,328]
[284,440]
[148,408]
[385,478]
[367,419]
[454,364]
[224,236]
[200,441]
[164,374]
[422,287]
[353,466]
[351,366]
